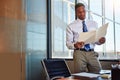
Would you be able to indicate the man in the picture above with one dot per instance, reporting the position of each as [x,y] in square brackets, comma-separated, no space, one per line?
[84,56]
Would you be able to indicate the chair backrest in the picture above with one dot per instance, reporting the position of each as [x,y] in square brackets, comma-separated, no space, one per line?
[56,67]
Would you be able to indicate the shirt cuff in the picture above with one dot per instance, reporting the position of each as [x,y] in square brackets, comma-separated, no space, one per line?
[98,43]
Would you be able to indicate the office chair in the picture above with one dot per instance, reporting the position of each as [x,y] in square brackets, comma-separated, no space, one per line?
[55,68]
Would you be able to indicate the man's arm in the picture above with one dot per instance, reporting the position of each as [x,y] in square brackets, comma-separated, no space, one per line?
[101,41]
[69,40]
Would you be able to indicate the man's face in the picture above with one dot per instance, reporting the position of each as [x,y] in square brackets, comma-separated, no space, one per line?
[81,13]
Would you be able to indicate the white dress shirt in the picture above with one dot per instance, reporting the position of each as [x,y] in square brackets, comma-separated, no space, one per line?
[75,28]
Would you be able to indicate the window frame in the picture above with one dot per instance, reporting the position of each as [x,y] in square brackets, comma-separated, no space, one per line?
[49,32]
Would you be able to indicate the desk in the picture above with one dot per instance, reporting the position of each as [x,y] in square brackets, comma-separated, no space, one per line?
[82,78]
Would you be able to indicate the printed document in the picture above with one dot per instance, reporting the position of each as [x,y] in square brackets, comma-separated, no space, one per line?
[93,36]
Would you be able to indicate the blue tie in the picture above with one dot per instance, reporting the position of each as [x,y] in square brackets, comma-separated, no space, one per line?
[87,46]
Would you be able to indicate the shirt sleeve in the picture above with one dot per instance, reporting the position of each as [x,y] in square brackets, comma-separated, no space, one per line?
[69,38]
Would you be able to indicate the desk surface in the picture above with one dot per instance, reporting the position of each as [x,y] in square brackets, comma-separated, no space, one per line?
[82,78]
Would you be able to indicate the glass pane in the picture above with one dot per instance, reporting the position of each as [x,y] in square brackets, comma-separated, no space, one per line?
[109,9]
[63,13]
[117,32]
[109,46]
[72,1]
[96,6]
[97,19]
[35,38]
[117,11]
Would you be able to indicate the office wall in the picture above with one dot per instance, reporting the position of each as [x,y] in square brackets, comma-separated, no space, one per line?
[22,39]
[10,67]
[12,9]
[12,47]
[22,36]
[12,50]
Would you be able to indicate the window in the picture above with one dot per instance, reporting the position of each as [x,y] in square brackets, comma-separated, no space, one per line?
[62,14]
[109,45]
[98,19]
[102,12]
[36,26]
[117,33]
[36,30]
[98,10]
[117,27]
[109,9]
[98,48]
[96,6]
[117,10]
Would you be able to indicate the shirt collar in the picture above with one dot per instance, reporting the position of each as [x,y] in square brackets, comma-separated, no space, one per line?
[81,20]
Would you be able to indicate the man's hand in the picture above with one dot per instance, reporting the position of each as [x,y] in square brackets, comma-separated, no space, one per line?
[79,45]
[102,40]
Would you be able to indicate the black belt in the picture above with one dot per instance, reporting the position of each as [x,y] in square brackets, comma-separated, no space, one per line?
[82,49]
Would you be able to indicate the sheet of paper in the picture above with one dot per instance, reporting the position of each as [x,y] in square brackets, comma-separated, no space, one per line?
[105,72]
[84,74]
[87,37]
[101,32]
[93,36]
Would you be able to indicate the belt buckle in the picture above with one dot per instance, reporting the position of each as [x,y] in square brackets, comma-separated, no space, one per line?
[88,50]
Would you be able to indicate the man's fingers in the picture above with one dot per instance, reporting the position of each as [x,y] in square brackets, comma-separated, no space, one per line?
[102,40]
[81,43]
